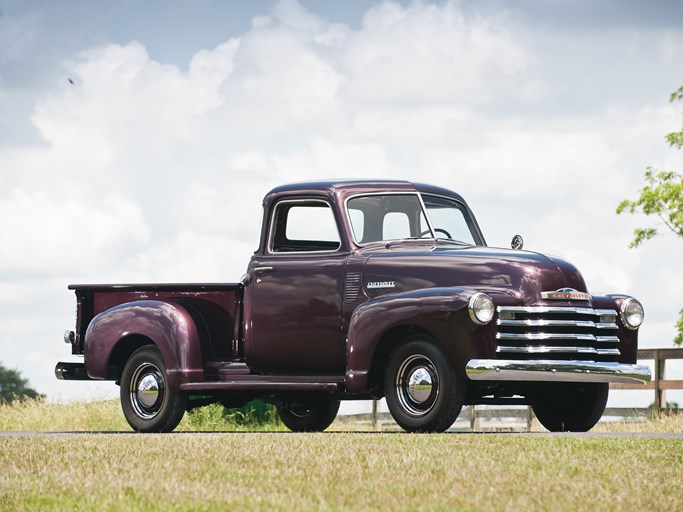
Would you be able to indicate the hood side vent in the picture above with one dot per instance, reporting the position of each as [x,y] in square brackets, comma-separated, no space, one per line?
[351,287]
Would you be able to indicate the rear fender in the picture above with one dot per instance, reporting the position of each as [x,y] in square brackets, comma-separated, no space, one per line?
[166,323]
[440,311]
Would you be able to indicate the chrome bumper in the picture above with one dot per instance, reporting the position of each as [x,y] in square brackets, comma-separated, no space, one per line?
[556,371]
[71,371]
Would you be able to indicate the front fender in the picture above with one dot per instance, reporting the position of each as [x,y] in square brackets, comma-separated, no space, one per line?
[440,311]
[166,323]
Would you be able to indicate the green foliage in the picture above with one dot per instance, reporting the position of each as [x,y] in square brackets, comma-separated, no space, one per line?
[675,139]
[670,406]
[255,415]
[14,387]
[662,196]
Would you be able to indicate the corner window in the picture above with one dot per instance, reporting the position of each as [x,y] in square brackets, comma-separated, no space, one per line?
[304,226]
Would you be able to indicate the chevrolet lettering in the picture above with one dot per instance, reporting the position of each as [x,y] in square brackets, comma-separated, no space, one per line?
[381,284]
[361,290]
[565,294]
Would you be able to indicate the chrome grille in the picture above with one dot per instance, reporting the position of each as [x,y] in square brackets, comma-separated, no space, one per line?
[559,333]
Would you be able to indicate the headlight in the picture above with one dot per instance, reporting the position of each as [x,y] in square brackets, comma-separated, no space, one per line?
[481,308]
[632,313]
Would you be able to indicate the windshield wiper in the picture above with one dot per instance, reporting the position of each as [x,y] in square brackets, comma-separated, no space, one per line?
[400,240]
[454,241]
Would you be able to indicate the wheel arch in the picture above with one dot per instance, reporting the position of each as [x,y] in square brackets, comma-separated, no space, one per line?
[390,340]
[168,325]
[122,352]
[378,325]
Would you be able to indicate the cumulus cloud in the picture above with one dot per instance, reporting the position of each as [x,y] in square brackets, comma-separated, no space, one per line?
[153,171]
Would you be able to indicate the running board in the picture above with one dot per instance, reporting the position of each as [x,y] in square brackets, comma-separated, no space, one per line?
[268,383]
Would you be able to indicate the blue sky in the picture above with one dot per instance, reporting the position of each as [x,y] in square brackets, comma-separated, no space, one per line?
[152,164]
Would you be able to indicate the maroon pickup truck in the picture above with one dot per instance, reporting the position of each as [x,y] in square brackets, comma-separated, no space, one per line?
[362,290]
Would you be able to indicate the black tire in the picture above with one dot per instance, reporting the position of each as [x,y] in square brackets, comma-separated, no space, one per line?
[572,407]
[422,390]
[314,416]
[148,403]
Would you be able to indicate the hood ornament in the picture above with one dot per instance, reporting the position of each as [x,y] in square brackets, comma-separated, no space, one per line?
[517,242]
[565,294]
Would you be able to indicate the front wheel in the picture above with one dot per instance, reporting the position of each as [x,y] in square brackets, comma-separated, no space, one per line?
[423,392]
[571,407]
[313,416]
[148,404]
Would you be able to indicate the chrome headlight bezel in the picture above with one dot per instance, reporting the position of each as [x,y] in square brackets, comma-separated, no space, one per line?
[632,313]
[481,308]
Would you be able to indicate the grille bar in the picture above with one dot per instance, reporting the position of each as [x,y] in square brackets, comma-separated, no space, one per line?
[570,310]
[588,324]
[557,350]
[542,336]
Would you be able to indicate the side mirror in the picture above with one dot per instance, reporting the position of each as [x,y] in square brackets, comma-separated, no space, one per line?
[517,242]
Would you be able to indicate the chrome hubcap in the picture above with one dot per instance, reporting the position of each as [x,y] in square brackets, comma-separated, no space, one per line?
[147,390]
[417,385]
[420,385]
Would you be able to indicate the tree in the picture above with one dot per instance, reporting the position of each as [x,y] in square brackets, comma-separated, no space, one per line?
[662,196]
[14,387]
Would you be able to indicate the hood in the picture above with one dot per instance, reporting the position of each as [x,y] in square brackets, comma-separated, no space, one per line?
[522,274]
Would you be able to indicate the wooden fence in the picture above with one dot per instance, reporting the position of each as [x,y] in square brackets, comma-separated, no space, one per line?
[659,383]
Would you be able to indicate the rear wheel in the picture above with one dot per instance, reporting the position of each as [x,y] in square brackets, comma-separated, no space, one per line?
[572,407]
[313,416]
[148,404]
[422,390]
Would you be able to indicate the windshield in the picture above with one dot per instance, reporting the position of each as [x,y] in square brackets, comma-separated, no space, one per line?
[387,217]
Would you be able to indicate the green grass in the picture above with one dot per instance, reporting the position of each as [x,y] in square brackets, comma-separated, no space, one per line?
[107,416]
[330,471]
[338,471]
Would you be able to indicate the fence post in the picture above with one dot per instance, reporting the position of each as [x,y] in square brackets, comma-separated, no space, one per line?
[374,415]
[660,394]
[529,417]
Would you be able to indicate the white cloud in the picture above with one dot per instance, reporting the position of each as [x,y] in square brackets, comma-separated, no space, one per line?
[44,234]
[429,54]
[152,171]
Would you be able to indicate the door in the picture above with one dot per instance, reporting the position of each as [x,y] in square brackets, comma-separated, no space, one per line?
[294,297]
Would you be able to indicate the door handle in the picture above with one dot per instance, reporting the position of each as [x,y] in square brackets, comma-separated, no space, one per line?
[263,270]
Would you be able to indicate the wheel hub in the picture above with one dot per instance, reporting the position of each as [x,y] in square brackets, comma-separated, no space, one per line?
[420,385]
[147,390]
[417,385]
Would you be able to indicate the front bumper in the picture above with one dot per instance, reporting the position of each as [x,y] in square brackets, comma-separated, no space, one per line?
[556,371]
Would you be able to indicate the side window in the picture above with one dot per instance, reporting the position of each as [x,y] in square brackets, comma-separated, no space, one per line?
[304,227]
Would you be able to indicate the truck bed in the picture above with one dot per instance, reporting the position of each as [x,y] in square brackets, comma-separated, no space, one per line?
[218,303]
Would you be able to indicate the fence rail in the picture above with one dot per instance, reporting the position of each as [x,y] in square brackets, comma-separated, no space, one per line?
[489,419]
[659,383]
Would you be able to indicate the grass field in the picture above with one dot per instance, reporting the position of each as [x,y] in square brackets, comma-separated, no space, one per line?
[330,471]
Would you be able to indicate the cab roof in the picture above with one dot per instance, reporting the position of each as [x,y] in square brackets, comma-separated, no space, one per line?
[362,186]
